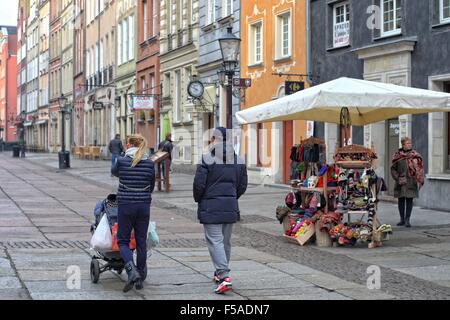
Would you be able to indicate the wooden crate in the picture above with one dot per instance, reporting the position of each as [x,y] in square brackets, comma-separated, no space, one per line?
[303,238]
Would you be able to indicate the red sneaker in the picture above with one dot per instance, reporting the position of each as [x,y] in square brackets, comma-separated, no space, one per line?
[224,286]
[216,278]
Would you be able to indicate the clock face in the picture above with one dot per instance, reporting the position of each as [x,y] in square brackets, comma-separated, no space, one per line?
[196,89]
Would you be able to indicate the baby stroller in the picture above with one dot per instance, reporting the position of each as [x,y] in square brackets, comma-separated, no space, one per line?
[113,260]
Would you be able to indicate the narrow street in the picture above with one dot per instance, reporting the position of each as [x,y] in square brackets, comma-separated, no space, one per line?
[45,216]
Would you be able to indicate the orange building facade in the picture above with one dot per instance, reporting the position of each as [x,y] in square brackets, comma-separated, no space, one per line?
[273,51]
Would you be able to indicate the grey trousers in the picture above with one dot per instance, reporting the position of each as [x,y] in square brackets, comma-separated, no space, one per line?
[218,239]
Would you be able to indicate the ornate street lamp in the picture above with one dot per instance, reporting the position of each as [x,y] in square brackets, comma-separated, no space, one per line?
[63,155]
[230,47]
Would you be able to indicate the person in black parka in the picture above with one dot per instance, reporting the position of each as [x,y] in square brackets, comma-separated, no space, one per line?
[220,180]
[136,173]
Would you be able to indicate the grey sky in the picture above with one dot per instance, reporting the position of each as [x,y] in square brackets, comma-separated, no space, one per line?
[8,12]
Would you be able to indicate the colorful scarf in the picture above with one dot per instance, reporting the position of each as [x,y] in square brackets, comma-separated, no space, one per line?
[414,163]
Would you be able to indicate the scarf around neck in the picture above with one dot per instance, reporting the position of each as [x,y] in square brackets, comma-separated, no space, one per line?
[132,152]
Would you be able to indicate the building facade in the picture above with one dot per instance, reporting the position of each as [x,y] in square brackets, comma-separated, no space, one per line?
[393,41]
[31,126]
[148,70]
[211,110]
[274,43]
[125,78]
[179,57]
[79,78]
[21,67]
[67,27]
[55,78]
[8,83]
[44,67]
[100,104]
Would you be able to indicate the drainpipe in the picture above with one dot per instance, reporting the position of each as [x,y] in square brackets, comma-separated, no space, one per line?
[308,42]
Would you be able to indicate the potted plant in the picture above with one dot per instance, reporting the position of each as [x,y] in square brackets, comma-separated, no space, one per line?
[151,116]
[141,116]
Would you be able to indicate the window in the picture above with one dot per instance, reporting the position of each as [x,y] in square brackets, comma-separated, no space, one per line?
[180,14]
[211,11]
[145,18]
[143,85]
[170,16]
[391,17]
[155,18]
[152,83]
[444,11]
[283,35]
[131,28]
[178,96]
[125,41]
[227,8]
[166,86]
[119,44]
[255,44]
[188,74]
[341,25]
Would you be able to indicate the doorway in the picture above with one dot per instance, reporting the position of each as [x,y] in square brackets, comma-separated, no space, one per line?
[393,145]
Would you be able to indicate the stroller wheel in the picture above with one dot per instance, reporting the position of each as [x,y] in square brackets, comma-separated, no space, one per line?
[95,271]
[119,271]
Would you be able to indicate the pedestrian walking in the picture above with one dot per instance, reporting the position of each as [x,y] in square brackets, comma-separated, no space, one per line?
[115,148]
[136,175]
[166,146]
[220,180]
[408,173]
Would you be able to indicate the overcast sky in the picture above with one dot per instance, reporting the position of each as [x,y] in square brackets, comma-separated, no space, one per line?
[8,12]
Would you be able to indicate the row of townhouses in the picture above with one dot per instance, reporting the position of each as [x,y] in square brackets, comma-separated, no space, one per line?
[109,57]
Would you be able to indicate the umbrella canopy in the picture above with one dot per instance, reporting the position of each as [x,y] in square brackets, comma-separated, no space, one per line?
[367,102]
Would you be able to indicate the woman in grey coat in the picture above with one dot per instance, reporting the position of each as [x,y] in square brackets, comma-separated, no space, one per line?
[407,171]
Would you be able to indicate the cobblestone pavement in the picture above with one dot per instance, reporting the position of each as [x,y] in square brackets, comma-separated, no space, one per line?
[45,216]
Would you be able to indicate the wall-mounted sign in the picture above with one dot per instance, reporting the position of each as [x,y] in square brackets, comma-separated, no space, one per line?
[97,105]
[291,87]
[242,82]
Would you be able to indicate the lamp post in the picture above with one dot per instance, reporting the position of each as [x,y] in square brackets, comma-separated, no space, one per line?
[63,155]
[230,46]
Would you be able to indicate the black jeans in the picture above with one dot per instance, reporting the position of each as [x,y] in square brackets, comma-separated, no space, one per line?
[405,203]
[133,216]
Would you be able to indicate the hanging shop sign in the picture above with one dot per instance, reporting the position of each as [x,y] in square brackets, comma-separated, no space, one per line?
[142,103]
[291,87]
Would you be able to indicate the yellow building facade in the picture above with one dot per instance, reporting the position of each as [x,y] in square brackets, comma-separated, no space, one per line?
[273,51]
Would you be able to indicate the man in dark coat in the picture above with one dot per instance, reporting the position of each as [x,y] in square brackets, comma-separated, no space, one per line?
[221,179]
[407,171]
[116,149]
[166,146]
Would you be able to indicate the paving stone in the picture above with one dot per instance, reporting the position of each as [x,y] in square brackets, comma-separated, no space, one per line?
[306,290]
[329,282]
[430,273]
[10,283]
[14,294]
[104,284]
[293,268]
[205,296]
[365,294]
[302,297]
[84,295]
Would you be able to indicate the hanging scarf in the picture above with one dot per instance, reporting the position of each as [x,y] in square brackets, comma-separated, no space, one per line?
[414,163]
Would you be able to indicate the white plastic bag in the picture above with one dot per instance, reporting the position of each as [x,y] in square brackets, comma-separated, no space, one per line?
[152,237]
[102,238]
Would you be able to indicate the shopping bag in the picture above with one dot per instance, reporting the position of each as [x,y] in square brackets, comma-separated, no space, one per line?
[152,238]
[102,240]
[115,244]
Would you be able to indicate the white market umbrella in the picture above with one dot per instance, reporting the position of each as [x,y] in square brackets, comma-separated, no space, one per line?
[367,102]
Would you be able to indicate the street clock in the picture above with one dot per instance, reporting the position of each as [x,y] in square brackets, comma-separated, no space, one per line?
[196,89]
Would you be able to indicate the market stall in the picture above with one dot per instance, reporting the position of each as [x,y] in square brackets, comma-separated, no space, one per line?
[350,185]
